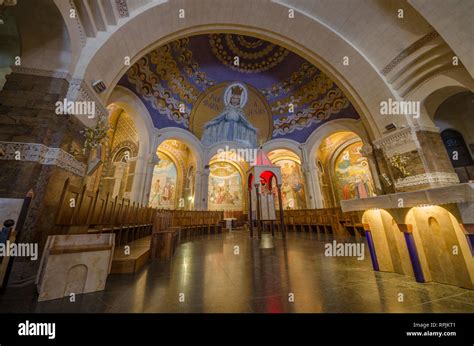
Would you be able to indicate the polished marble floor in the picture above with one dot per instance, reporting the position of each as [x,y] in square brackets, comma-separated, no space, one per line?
[232,273]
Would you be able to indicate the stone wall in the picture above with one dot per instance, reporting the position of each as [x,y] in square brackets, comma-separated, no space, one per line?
[29,126]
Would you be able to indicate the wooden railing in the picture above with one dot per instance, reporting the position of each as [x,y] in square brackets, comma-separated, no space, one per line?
[83,211]
[328,221]
[170,227]
[193,223]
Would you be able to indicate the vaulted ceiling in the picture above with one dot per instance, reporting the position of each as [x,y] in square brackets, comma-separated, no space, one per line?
[179,72]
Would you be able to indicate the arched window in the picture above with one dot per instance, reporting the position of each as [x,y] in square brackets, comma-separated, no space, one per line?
[457,149]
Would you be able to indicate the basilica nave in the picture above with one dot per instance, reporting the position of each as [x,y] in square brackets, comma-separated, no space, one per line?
[289,156]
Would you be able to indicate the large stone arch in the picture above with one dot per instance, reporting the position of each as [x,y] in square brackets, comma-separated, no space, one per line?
[315,139]
[199,154]
[45,42]
[283,143]
[222,146]
[184,136]
[437,90]
[310,147]
[129,102]
[262,19]
[132,104]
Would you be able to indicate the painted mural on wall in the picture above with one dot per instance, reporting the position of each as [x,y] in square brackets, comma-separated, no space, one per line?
[171,79]
[225,187]
[163,185]
[352,173]
[292,188]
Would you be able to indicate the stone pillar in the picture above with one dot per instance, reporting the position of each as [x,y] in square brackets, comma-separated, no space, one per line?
[427,161]
[282,218]
[250,215]
[371,245]
[259,225]
[368,152]
[308,165]
[308,184]
[312,177]
[148,177]
[39,150]
[202,185]
[139,178]
[407,230]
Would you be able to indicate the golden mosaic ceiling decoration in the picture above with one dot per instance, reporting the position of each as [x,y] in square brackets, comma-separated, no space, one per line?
[254,55]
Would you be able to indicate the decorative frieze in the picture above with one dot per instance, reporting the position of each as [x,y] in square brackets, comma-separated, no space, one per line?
[122,8]
[435,178]
[409,50]
[400,141]
[461,194]
[34,152]
[43,73]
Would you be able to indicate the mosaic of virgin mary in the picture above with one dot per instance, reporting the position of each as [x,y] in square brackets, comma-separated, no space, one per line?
[231,124]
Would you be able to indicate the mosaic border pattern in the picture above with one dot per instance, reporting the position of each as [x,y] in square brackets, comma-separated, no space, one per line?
[42,154]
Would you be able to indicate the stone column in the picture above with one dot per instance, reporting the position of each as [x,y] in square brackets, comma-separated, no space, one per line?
[39,150]
[308,185]
[407,230]
[371,245]
[259,226]
[427,161]
[368,152]
[202,185]
[138,179]
[308,165]
[148,177]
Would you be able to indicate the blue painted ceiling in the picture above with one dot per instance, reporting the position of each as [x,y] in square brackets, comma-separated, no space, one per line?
[178,72]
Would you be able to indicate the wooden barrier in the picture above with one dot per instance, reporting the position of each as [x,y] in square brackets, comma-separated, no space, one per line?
[170,227]
[83,211]
[325,221]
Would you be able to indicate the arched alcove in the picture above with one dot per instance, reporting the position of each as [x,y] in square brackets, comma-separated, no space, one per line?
[293,187]
[344,169]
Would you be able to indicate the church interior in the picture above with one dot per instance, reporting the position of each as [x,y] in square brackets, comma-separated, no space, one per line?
[258,156]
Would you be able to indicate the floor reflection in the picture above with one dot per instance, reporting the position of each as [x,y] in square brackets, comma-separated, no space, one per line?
[233,273]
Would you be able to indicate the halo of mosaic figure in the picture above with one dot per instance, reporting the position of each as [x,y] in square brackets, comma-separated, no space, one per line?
[231,124]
